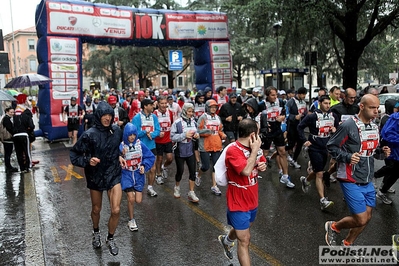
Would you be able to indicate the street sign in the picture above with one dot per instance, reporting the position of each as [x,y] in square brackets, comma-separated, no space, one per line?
[175,60]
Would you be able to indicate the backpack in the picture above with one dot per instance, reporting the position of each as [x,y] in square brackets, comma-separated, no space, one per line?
[390,131]
[4,134]
[220,168]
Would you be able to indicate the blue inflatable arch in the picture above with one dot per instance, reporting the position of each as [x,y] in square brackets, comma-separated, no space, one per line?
[62,27]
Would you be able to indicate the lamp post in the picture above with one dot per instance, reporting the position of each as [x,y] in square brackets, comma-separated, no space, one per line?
[314,41]
[276,27]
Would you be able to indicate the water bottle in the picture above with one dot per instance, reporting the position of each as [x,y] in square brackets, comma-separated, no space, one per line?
[305,152]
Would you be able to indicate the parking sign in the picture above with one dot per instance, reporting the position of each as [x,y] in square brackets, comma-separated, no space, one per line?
[175,60]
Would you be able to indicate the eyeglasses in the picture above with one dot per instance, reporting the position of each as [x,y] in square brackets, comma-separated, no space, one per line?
[352,98]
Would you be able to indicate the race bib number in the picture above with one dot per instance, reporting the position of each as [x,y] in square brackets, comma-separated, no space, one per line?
[369,142]
[133,160]
[165,126]
[273,113]
[324,128]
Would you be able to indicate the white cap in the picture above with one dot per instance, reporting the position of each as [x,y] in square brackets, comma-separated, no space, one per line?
[281,92]
[156,93]
[136,92]
[256,90]
[181,93]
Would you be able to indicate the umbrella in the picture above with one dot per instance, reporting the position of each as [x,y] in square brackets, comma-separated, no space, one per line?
[6,97]
[27,80]
[13,92]
[390,88]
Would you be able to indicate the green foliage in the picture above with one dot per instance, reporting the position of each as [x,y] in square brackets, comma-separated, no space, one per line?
[352,35]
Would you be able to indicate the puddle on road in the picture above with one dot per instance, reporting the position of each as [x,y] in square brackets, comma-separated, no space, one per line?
[12,218]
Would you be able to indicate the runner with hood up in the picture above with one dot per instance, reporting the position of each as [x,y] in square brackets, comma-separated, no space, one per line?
[139,159]
[251,106]
[97,151]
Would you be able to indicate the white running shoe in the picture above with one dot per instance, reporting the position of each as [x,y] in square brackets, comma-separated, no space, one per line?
[132,225]
[164,172]
[176,192]
[151,192]
[305,184]
[295,164]
[197,181]
[287,182]
[325,203]
[216,191]
[159,180]
[192,197]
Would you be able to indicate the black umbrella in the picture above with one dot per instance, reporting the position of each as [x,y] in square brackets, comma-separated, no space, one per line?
[27,80]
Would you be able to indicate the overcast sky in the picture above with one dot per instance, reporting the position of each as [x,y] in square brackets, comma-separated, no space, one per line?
[23,14]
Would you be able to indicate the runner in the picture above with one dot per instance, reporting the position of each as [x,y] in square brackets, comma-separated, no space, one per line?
[352,146]
[322,123]
[162,142]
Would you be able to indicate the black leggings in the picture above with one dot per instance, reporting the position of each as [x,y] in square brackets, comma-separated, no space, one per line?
[8,147]
[391,176]
[206,160]
[21,144]
[191,164]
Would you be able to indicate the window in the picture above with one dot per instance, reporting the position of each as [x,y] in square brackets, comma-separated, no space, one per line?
[257,81]
[247,82]
[32,65]
[31,44]
[180,81]
[164,81]
[18,46]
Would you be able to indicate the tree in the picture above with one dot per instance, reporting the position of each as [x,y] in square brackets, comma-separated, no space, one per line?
[351,26]
[356,24]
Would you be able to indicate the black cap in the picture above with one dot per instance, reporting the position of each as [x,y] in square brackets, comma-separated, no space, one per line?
[73,98]
[146,102]
[169,97]
[233,95]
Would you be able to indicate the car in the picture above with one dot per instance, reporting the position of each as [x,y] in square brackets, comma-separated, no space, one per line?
[315,93]
[383,97]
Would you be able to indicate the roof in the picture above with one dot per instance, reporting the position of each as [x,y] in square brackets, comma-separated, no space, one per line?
[29,31]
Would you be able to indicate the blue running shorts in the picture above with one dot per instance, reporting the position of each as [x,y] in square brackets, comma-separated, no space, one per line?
[357,196]
[241,220]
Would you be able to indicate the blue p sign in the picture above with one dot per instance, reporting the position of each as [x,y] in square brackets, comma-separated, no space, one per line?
[175,56]
[175,60]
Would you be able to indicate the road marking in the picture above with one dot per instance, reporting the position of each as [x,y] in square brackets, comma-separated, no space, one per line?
[257,250]
[70,172]
[54,172]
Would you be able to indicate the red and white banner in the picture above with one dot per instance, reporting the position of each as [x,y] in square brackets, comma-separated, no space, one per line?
[75,19]
[64,68]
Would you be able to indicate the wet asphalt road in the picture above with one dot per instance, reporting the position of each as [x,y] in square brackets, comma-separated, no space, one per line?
[45,220]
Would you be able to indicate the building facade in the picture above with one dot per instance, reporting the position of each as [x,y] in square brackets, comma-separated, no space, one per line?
[21,49]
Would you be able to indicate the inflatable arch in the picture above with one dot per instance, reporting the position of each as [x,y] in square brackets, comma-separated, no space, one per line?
[62,27]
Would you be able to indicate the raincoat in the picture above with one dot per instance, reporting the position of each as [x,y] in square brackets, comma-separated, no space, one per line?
[135,154]
[103,143]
